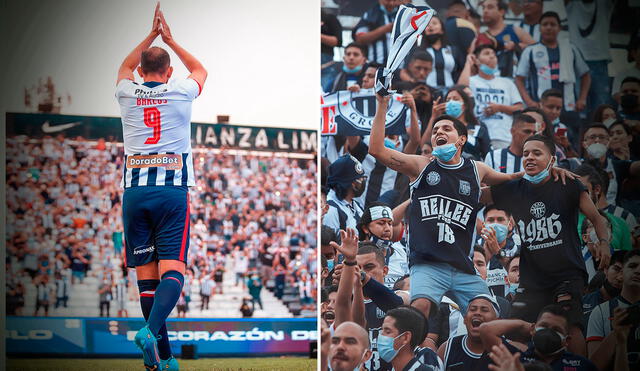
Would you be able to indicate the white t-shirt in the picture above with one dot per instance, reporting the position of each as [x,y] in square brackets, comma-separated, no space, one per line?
[498,90]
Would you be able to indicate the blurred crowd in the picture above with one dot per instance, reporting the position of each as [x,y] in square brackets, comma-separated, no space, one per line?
[64,224]
[507,70]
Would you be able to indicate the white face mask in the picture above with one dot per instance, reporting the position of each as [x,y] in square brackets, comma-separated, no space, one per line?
[597,150]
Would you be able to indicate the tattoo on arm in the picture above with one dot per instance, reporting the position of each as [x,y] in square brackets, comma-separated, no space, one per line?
[395,161]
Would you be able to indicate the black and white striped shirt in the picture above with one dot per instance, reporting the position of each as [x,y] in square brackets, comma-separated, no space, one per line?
[376,17]
[504,161]
[623,214]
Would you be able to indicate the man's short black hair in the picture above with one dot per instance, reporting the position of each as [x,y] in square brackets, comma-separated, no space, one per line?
[595,125]
[327,235]
[362,47]
[457,124]
[630,79]
[548,142]
[551,93]
[556,310]
[594,176]
[154,60]
[482,47]
[494,207]
[521,118]
[368,247]
[630,255]
[422,55]
[400,282]
[618,256]
[550,14]
[372,65]
[410,319]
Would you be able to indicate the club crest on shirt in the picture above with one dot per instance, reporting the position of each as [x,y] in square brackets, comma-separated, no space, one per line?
[465,188]
[538,209]
[380,313]
[433,178]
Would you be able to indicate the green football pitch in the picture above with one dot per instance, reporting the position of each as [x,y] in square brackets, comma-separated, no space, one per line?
[245,364]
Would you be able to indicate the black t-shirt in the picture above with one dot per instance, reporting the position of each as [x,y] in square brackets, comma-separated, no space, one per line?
[567,361]
[329,25]
[424,359]
[546,216]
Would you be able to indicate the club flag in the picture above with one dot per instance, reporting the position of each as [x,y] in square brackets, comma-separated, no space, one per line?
[410,22]
[347,113]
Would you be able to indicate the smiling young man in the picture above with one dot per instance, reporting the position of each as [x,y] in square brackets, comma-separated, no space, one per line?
[465,352]
[552,268]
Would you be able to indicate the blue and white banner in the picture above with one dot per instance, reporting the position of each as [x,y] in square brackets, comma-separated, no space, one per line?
[349,113]
[114,336]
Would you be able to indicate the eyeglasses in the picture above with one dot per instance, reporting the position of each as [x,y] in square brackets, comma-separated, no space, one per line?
[597,137]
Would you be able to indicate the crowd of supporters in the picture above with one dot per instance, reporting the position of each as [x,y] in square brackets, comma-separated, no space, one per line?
[513,82]
[64,224]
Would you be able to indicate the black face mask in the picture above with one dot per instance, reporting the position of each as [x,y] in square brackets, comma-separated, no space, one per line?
[611,291]
[629,101]
[547,342]
[433,37]
[358,190]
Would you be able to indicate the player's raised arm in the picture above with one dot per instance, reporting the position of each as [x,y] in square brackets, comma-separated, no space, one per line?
[410,165]
[198,72]
[132,60]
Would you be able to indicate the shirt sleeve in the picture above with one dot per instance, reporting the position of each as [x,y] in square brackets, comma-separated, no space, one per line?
[122,86]
[595,328]
[579,65]
[188,87]
[523,64]
[515,94]
[331,218]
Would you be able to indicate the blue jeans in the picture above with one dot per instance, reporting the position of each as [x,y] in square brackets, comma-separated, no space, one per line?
[433,280]
[600,90]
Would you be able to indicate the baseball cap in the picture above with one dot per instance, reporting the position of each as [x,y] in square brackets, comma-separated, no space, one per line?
[491,299]
[344,171]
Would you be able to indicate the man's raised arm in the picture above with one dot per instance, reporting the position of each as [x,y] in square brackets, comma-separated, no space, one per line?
[410,165]
[132,60]
[198,73]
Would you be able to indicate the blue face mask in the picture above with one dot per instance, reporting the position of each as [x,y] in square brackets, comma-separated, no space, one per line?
[501,231]
[453,108]
[488,70]
[512,288]
[535,179]
[556,121]
[385,347]
[383,244]
[446,152]
[330,264]
[351,70]
[389,143]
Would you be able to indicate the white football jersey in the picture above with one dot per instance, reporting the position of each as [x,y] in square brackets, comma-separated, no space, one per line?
[156,123]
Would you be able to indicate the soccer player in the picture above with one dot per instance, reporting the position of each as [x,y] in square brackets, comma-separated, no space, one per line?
[156,118]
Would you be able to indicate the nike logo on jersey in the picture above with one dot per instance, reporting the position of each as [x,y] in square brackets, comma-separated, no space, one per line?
[47,128]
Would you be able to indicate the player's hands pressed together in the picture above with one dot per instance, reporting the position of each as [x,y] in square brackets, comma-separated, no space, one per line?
[155,28]
[165,31]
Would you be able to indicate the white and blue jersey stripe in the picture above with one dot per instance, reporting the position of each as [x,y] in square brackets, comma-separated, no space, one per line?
[156,123]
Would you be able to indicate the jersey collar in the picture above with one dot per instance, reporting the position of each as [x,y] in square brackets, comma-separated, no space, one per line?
[152,84]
